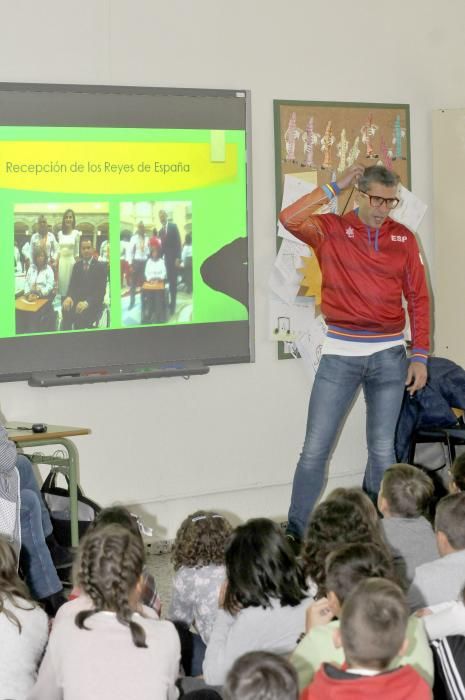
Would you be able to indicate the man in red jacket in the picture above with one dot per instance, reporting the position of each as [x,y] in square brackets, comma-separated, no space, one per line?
[367,262]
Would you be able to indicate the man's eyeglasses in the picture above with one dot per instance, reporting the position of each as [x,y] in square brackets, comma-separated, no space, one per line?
[390,202]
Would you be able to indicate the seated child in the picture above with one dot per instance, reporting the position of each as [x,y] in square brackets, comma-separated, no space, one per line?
[264,599]
[105,644]
[343,517]
[260,675]
[345,568]
[198,559]
[118,515]
[403,499]
[23,629]
[441,580]
[372,633]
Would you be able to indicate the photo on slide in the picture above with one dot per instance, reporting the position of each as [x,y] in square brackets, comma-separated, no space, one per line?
[156,262]
[61,256]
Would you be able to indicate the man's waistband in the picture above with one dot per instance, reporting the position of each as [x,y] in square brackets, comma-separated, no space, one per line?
[361,336]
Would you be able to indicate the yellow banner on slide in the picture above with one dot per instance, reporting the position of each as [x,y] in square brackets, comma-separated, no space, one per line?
[112,167]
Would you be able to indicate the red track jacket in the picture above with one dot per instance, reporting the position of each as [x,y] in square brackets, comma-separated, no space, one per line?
[364,271]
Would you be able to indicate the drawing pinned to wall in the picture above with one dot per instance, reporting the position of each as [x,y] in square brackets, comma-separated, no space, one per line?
[354,152]
[368,132]
[311,138]
[290,137]
[314,143]
[399,134]
[327,146]
[342,148]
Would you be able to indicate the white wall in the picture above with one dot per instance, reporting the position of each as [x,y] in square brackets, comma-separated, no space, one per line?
[230,439]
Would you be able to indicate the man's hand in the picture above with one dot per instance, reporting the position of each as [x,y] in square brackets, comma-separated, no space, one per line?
[81,306]
[68,304]
[350,176]
[416,377]
[319,613]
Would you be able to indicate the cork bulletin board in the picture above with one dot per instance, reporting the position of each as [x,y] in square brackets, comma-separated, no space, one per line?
[317,141]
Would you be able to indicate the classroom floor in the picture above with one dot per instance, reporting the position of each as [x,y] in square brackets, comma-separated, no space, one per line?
[161,568]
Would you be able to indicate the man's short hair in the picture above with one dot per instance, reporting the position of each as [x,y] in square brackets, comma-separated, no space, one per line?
[407,490]
[450,519]
[378,174]
[373,624]
[260,675]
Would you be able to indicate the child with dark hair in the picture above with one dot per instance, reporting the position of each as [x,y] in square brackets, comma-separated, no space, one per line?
[358,498]
[198,559]
[457,474]
[345,568]
[372,633]
[118,515]
[105,644]
[23,629]
[339,520]
[403,500]
[260,675]
[264,599]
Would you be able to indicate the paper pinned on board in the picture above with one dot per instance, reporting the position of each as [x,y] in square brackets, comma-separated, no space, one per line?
[281,287]
[289,259]
[310,345]
[289,321]
[295,186]
[410,211]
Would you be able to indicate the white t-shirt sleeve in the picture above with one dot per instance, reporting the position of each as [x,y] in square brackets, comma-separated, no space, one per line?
[445,620]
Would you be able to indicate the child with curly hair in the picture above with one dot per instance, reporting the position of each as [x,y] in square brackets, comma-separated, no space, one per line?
[198,559]
[341,519]
[105,643]
[23,629]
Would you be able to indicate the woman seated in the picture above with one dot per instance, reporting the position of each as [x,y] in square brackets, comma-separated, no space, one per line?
[153,300]
[38,286]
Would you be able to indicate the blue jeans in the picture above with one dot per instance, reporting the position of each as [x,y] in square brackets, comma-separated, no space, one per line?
[382,378]
[39,570]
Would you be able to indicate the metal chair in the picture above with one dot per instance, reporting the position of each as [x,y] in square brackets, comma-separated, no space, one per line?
[449,437]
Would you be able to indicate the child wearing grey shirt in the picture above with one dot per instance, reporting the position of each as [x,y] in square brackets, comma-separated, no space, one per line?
[403,498]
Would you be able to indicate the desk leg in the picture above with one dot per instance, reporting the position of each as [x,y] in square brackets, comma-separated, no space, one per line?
[73,498]
[71,464]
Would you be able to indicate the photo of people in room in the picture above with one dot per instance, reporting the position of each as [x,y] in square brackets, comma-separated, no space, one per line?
[61,255]
[156,262]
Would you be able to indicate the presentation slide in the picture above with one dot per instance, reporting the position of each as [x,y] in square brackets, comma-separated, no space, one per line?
[114,228]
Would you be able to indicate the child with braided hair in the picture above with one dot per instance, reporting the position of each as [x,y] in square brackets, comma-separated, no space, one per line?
[118,515]
[105,643]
